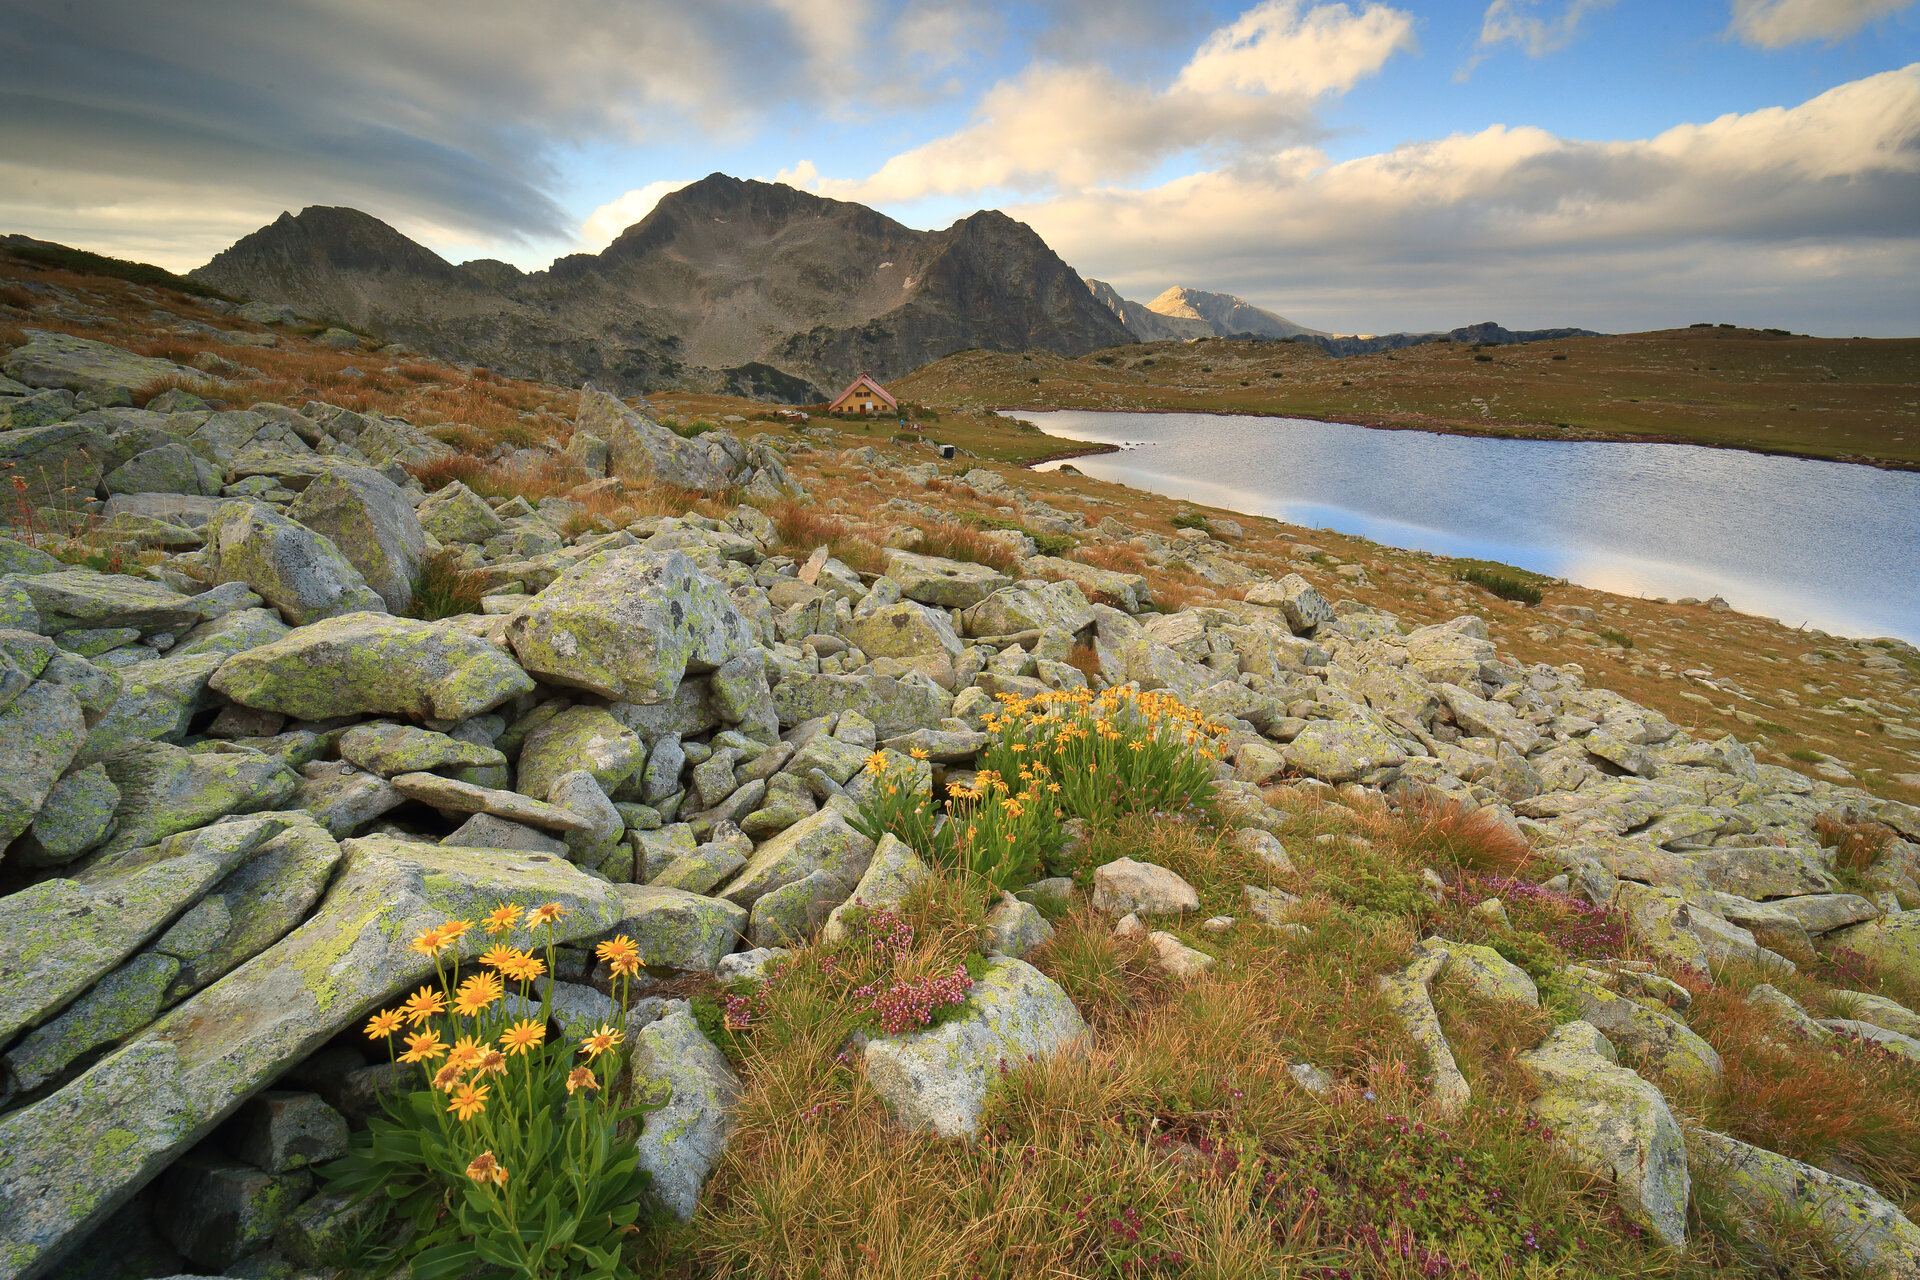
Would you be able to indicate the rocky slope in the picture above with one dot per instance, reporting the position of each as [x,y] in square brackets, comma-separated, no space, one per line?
[236,780]
[746,286]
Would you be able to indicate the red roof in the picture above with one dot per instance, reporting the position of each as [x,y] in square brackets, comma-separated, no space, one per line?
[872,385]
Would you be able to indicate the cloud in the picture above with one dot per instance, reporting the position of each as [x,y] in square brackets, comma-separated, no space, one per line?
[803,176]
[1775,24]
[1255,80]
[211,118]
[1514,22]
[604,225]
[937,34]
[1799,207]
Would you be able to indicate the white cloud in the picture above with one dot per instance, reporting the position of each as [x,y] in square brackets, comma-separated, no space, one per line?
[604,225]
[1515,22]
[1432,234]
[803,176]
[936,34]
[1775,24]
[1254,81]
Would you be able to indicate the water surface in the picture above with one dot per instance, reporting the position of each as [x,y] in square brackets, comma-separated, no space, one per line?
[1822,544]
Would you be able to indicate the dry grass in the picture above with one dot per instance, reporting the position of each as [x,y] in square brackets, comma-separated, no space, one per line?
[1451,834]
[1856,845]
[954,541]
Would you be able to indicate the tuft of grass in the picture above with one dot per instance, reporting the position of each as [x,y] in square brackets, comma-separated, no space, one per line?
[1620,638]
[1856,845]
[1504,585]
[444,590]
[952,540]
[1451,834]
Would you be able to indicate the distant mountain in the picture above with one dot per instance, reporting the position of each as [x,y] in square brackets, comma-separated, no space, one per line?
[1486,333]
[749,287]
[1181,313]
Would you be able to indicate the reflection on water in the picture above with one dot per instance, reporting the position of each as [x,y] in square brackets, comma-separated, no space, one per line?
[1824,544]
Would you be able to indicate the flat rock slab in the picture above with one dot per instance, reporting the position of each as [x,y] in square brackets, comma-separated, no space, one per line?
[936,1081]
[951,584]
[76,600]
[1408,995]
[69,1160]
[373,664]
[80,364]
[465,797]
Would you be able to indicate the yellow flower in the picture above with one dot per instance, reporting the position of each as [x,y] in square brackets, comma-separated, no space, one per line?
[503,918]
[621,955]
[919,753]
[546,914]
[447,1077]
[603,1039]
[492,1063]
[384,1023]
[499,957]
[468,1101]
[877,761]
[466,1053]
[582,1078]
[424,1047]
[476,993]
[487,1169]
[1136,746]
[431,941]
[455,929]
[423,1004]
[524,968]
[523,1035]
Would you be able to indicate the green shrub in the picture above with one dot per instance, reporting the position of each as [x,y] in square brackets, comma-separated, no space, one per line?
[444,590]
[1620,638]
[1504,585]
[1188,520]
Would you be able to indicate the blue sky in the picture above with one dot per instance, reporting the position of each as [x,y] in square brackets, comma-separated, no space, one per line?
[1359,167]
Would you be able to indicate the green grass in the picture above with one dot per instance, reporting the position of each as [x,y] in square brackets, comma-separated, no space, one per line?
[1506,585]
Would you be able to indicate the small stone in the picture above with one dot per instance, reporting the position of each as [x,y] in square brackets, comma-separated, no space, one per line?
[1125,886]
[1264,846]
[1177,958]
[1217,925]
[279,1131]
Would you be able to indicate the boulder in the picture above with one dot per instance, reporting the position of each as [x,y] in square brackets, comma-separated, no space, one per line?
[484,831]
[1303,607]
[81,364]
[215,1210]
[826,841]
[1487,972]
[77,816]
[577,793]
[1127,591]
[342,798]
[231,633]
[792,914]
[639,449]
[456,514]
[81,600]
[157,702]
[165,790]
[299,572]
[895,706]
[390,749]
[1653,1037]
[678,930]
[891,875]
[936,1081]
[370,663]
[903,630]
[1013,928]
[372,522]
[1030,606]
[950,584]
[1408,995]
[169,468]
[628,625]
[1338,751]
[58,936]
[1612,1122]
[279,1131]
[58,463]
[1867,1230]
[465,797]
[1893,941]
[40,733]
[121,1003]
[1125,886]
[682,1142]
[1175,956]
[70,1159]
[580,737]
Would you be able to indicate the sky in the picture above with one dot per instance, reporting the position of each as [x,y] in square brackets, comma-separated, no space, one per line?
[1357,167]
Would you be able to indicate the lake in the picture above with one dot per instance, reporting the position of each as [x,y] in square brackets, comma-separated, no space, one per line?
[1822,544]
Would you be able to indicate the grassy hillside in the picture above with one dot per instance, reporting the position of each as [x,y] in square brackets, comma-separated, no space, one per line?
[1849,399]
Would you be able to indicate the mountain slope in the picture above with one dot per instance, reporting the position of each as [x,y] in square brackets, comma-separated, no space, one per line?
[742,285]
[1229,316]
[1148,326]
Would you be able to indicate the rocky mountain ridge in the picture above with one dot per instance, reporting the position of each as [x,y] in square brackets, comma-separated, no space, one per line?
[1180,313]
[748,287]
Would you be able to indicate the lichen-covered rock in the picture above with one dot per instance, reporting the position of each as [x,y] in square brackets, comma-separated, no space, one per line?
[825,841]
[892,873]
[280,1131]
[678,930]
[1030,606]
[1487,972]
[465,797]
[1407,994]
[456,514]
[1298,601]
[894,705]
[577,793]
[484,831]
[1614,1123]
[1339,751]
[78,600]
[704,868]
[1785,1009]
[1871,1233]
[1124,886]
[936,1080]
[168,468]
[369,663]
[40,733]
[370,520]
[640,449]
[299,572]
[581,737]
[77,816]
[628,624]
[215,1211]
[156,702]
[1893,941]
[165,790]
[1653,1037]
[342,798]
[231,633]
[1127,591]
[1013,928]
[903,630]
[68,1160]
[389,749]
[81,364]
[121,1003]
[682,1142]
[950,584]
[58,936]
[1176,957]
[792,914]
